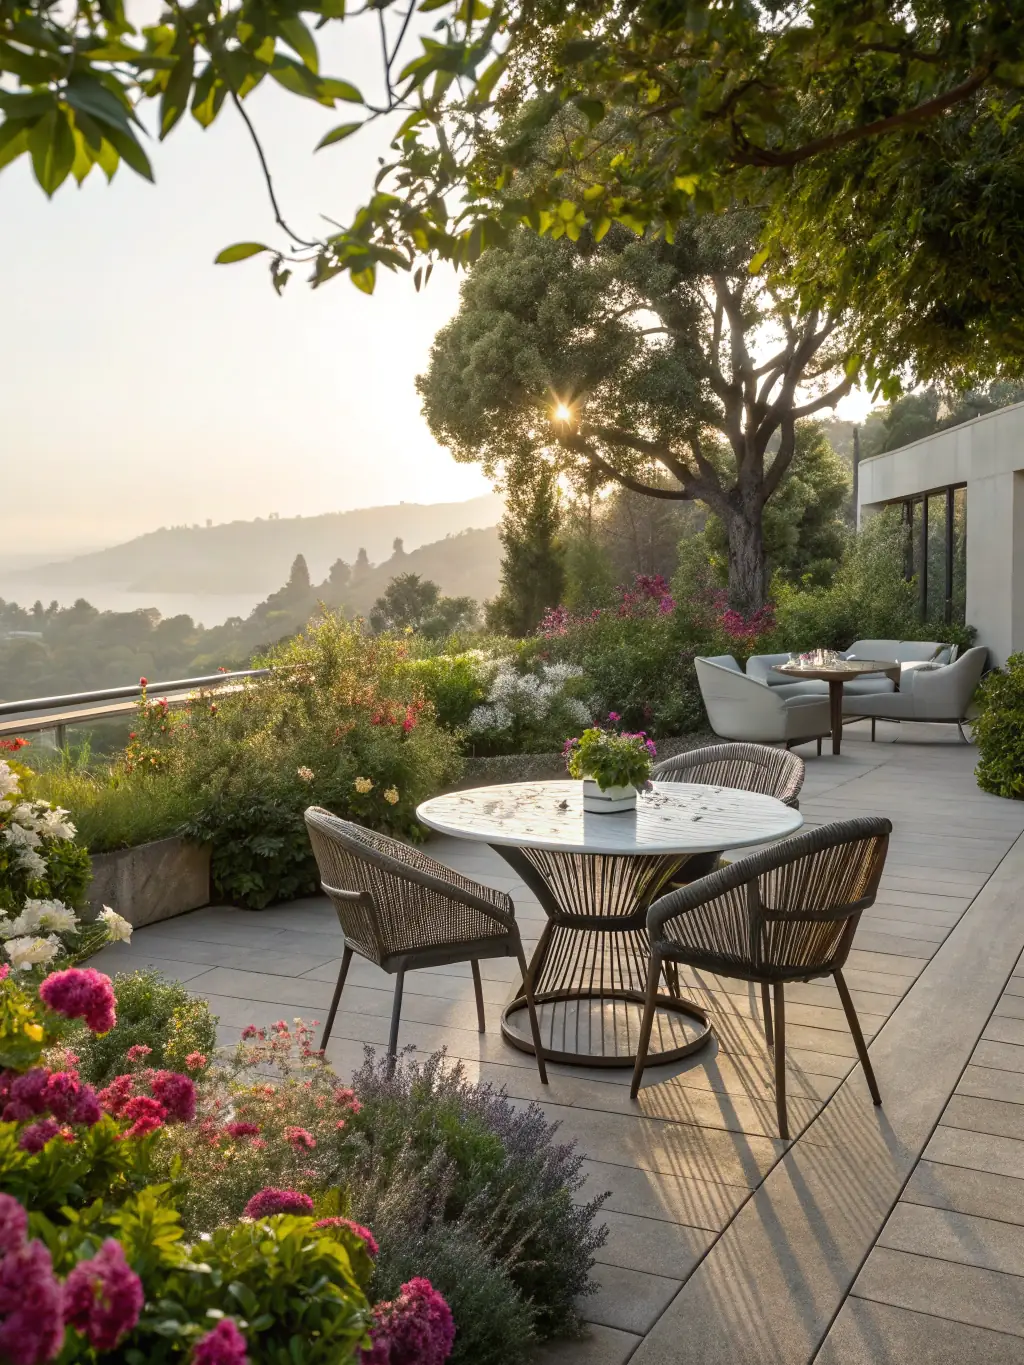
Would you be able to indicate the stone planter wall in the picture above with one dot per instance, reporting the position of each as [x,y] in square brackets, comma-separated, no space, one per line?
[488,772]
[152,882]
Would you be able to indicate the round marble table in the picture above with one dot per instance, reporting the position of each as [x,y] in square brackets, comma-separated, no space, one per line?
[595,876]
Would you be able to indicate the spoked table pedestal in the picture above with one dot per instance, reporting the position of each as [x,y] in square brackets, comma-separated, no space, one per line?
[594,876]
[589,969]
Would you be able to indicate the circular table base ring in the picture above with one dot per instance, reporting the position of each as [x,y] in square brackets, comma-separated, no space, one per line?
[666,1004]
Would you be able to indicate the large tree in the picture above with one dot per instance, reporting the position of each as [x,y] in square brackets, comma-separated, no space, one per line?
[665,368]
[884,138]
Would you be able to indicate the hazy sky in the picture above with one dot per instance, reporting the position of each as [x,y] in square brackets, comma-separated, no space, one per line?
[141,385]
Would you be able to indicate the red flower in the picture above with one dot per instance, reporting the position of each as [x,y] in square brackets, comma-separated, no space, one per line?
[299,1138]
[270,1201]
[177,1094]
[146,1114]
[364,1234]
[81,993]
[103,1297]
[142,682]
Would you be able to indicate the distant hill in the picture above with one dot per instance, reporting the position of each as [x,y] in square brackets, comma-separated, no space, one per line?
[243,556]
[462,566]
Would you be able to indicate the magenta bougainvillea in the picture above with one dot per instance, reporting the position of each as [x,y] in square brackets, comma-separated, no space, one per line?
[103,1297]
[225,1345]
[416,1328]
[269,1201]
[81,993]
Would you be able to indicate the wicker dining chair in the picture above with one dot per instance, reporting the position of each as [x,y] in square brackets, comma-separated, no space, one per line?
[788,913]
[749,767]
[402,910]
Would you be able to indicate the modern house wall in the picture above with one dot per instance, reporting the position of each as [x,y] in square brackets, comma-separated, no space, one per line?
[986,455]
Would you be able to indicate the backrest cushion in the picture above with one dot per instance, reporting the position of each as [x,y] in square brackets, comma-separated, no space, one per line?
[929,651]
[761,667]
[883,650]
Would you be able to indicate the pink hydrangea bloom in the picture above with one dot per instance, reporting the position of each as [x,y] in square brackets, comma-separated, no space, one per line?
[225,1345]
[195,1061]
[35,1137]
[26,1096]
[299,1138]
[346,1097]
[13,1224]
[241,1130]
[81,993]
[270,1200]
[138,1052]
[117,1094]
[31,1320]
[177,1093]
[103,1297]
[87,1109]
[364,1234]
[63,1090]
[146,1115]
[5,971]
[416,1328]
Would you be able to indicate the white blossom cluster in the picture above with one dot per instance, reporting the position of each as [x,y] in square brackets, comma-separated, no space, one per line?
[528,698]
[28,823]
[32,936]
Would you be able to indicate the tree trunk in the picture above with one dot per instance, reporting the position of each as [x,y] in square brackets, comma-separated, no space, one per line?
[747,564]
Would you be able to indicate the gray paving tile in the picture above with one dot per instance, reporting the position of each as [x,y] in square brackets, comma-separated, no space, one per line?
[989,1084]
[627,1299]
[962,1293]
[673,1199]
[1000,1056]
[112,960]
[977,1151]
[952,1236]
[985,1116]
[1004,1030]
[980,1193]
[1010,1007]
[651,1245]
[868,1333]
[600,1346]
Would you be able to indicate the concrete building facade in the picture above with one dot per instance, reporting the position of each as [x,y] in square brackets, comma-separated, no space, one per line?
[980,463]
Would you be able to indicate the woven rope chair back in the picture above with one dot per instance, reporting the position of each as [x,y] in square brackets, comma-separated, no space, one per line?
[393,905]
[750,767]
[789,911]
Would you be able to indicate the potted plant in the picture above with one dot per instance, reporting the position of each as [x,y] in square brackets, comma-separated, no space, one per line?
[612,767]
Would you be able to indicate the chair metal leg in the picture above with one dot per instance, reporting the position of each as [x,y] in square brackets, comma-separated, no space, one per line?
[766,1005]
[531,1010]
[396,1014]
[872,729]
[346,958]
[479,990]
[819,746]
[858,1036]
[650,1004]
[780,1061]
[671,970]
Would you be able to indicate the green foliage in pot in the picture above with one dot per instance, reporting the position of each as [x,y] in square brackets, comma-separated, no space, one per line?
[999,730]
[612,760]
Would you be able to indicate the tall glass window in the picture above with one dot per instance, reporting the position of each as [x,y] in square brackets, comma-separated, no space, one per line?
[936,559]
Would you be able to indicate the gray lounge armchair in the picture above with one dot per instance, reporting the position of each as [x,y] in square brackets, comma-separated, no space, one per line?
[935,693]
[788,913]
[402,910]
[740,707]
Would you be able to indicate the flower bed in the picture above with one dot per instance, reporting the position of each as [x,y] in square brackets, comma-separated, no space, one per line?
[179,1209]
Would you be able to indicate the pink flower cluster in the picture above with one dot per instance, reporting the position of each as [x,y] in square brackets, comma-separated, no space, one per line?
[649,589]
[269,1201]
[81,993]
[225,1345]
[416,1328]
[364,1234]
[171,1098]
[748,628]
[101,1298]
[40,1093]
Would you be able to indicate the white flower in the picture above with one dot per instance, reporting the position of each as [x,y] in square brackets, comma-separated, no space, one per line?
[31,862]
[21,836]
[118,928]
[54,824]
[8,780]
[24,814]
[40,917]
[26,953]
[305,773]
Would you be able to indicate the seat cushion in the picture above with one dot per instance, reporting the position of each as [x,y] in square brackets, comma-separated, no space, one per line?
[894,705]
[814,687]
[869,684]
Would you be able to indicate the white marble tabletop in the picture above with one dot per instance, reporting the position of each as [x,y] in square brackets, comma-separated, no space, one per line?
[675,817]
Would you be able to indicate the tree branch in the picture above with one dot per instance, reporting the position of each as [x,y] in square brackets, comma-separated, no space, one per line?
[299,241]
[827,400]
[582,447]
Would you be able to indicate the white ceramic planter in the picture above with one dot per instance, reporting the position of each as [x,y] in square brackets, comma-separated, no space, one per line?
[607,800]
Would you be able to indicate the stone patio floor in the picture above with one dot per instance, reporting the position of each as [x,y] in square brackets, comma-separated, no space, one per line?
[883,1236]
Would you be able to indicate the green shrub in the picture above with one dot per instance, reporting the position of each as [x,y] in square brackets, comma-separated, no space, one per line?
[453,684]
[338,724]
[999,730]
[159,1014]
